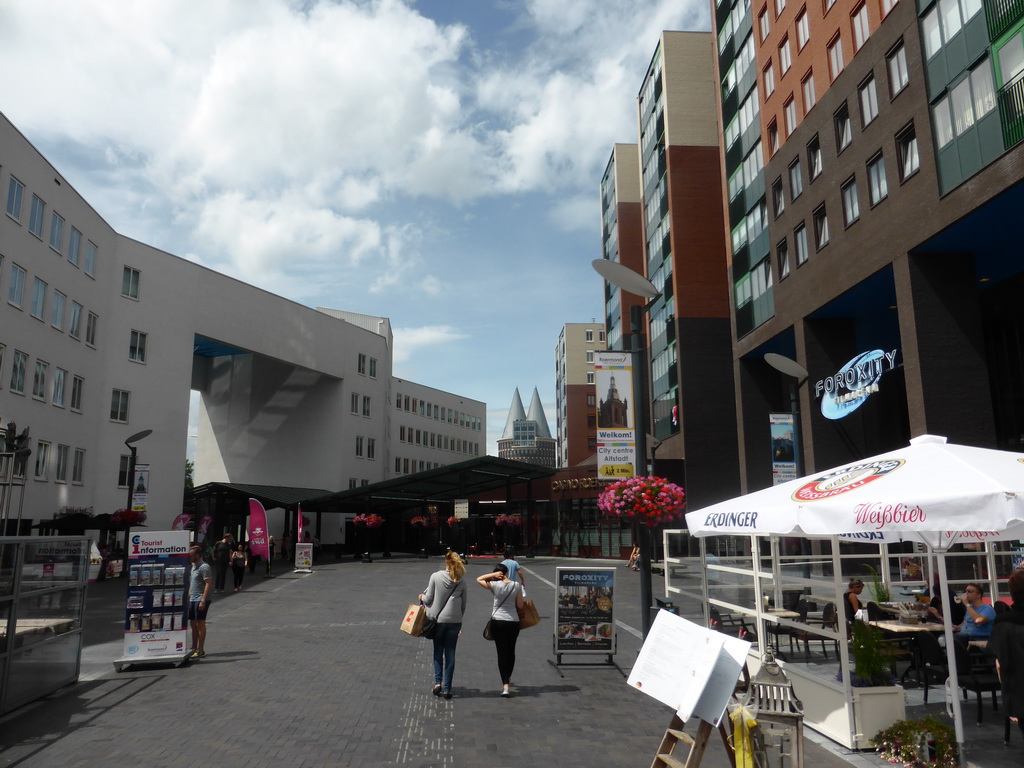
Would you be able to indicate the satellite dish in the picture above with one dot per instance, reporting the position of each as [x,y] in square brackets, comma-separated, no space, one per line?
[625,278]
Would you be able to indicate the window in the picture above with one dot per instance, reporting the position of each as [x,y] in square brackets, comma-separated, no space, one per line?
[899,76]
[803,30]
[19,369]
[906,144]
[590,356]
[778,198]
[972,98]
[764,24]
[949,10]
[61,475]
[130,283]
[56,231]
[785,61]
[354,407]
[790,110]
[868,100]
[861,32]
[359,445]
[591,400]
[769,80]
[90,329]
[782,254]
[851,206]
[588,336]
[361,367]
[35,216]
[75,321]
[57,311]
[796,181]
[3,349]
[38,298]
[773,137]
[39,380]
[373,368]
[835,57]
[15,191]
[77,387]
[137,346]
[814,158]
[800,239]
[74,246]
[590,377]
[809,95]
[42,459]
[1011,59]
[820,227]
[887,5]
[829,4]
[398,464]
[78,467]
[878,189]
[366,406]
[90,259]
[943,122]
[16,290]
[371,448]
[124,468]
[59,378]
[119,406]
[931,33]
[844,130]
[982,90]
[780,6]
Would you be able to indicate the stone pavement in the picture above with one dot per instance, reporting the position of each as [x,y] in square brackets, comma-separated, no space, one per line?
[312,670]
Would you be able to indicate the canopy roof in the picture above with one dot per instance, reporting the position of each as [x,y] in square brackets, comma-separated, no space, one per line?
[432,486]
[270,496]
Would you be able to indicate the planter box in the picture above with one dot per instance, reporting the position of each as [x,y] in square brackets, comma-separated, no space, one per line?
[826,706]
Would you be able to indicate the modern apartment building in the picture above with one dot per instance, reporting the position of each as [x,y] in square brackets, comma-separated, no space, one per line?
[684,255]
[103,337]
[527,436]
[574,391]
[880,256]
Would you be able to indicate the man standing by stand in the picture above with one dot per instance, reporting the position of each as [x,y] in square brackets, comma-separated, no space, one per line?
[221,557]
[200,586]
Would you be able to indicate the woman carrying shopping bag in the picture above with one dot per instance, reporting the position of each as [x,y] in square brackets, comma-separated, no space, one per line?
[504,623]
[447,590]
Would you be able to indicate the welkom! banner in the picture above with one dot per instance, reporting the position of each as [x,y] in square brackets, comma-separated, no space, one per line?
[154,624]
[616,436]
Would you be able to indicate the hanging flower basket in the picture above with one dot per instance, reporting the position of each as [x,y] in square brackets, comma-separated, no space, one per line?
[454,522]
[422,521]
[128,517]
[510,521]
[369,521]
[648,500]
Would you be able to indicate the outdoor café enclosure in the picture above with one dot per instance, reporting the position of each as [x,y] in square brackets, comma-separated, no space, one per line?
[785,593]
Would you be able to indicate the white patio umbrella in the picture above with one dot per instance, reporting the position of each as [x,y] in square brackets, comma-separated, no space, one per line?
[932,491]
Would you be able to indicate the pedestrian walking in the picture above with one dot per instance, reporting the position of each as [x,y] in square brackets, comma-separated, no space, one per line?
[221,559]
[1007,645]
[200,587]
[239,559]
[270,559]
[447,591]
[515,571]
[508,602]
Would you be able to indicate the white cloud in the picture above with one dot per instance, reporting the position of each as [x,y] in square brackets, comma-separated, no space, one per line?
[411,341]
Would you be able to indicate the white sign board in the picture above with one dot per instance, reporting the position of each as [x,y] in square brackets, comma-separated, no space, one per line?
[691,669]
[461,509]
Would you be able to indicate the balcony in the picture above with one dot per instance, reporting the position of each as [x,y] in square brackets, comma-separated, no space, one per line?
[1000,15]
[1011,110]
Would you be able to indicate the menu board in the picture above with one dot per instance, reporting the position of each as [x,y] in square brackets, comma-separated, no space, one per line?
[584,603]
[155,608]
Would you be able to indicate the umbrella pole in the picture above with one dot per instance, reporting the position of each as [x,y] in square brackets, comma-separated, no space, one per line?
[947,626]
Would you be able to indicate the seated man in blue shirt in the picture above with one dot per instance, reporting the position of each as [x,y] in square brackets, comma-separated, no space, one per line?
[977,623]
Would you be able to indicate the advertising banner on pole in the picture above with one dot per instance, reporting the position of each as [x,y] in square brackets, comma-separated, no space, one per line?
[783,447]
[616,436]
[140,488]
[257,533]
[158,571]
[584,603]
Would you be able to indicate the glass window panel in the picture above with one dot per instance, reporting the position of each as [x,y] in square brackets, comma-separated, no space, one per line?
[951,22]
[963,111]
[943,123]
[931,34]
[984,93]
[1011,59]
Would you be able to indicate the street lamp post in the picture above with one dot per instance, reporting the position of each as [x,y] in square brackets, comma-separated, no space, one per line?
[633,282]
[130,443]
[798,374]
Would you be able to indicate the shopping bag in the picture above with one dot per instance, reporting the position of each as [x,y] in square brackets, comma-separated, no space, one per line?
[528,617]
[413,621]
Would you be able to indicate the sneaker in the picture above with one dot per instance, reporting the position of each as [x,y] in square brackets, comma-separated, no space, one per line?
[437,689]
[505,692]
[193,654]
[201,654]
[447,694]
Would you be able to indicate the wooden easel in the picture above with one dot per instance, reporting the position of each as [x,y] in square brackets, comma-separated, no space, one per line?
[697,744]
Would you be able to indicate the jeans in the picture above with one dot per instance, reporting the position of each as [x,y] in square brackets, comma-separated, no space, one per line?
[444,654]
[505,634]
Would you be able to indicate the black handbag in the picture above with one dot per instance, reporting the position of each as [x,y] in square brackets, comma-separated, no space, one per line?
[429,628]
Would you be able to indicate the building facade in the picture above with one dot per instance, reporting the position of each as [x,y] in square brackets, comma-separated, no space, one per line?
[883,264]
[527,436]
[574,391]
[102,337]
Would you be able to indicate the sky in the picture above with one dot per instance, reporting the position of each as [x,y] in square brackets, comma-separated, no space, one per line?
[433,162]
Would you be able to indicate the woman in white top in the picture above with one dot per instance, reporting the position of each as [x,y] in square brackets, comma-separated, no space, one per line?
[508,602]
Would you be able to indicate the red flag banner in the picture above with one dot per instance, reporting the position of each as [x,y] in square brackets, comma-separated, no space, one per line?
[258,543]
[298,514]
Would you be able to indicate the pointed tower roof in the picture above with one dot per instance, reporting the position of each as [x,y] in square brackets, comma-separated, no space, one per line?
[537,414]
[515,413]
